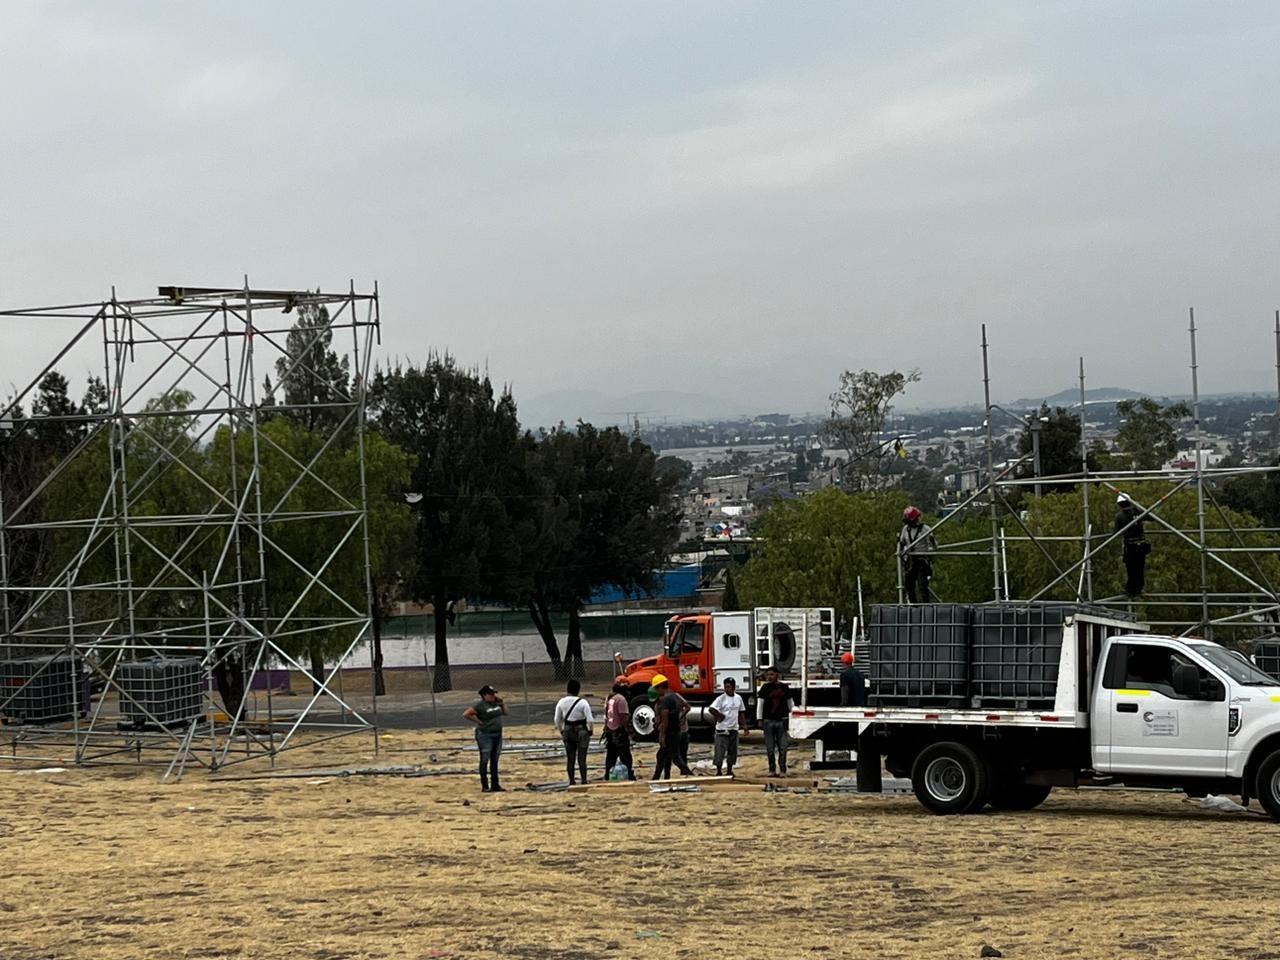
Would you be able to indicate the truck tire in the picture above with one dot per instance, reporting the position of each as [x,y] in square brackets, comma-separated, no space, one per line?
[644,719]
[1268,785]
[950,778]
[1019,796]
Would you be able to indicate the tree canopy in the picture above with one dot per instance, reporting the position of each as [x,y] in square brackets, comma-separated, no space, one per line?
[859,408]
[605,516]
[470,485]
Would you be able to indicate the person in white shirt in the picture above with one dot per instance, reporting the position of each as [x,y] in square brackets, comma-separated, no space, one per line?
[574,721]
[730,715]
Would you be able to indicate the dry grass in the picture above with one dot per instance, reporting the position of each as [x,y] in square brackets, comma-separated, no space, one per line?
[111,864]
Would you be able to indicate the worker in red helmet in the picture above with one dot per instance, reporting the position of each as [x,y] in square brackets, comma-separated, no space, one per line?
[853,684]
[915,546]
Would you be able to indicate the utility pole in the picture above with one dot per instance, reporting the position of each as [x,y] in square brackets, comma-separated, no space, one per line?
[991,473]
[1035,426]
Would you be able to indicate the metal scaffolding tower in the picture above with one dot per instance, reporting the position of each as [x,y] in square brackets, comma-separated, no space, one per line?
[1250,608]
[176,518]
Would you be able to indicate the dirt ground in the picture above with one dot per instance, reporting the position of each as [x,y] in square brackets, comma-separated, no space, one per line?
[110,863]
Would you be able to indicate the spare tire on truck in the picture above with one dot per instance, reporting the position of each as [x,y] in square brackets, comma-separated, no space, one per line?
[950,778]
[644,718]
[783,648]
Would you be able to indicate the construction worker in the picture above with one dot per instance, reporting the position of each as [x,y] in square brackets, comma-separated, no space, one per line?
[487,715]
[681,759]
[915,543]
[730,715]
[668,708]
[853,684]
[617,730]
[1136,545]
[773,710]
[574,721]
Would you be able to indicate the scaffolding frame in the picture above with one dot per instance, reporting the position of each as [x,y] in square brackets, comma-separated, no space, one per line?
[209,561]
[1256,603]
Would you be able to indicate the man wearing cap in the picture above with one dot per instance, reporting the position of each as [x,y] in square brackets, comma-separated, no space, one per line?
[730,715]
[668,708]
[853,685]
[1136,545]
[574,721]
[487,715]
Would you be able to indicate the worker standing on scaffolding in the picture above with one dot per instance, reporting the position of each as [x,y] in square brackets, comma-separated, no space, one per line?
[915,543]
[1136,545]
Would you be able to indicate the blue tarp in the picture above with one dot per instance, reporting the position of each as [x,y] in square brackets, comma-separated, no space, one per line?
[672,582]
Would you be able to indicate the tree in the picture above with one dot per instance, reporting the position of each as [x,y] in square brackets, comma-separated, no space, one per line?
[311,373]
[1146,438]
[679,471]
[730,599]
[606,517]
[1257,494]
[859,408]
[1059,444]
[470,483]
[287,491]
[812,551]
[315,383]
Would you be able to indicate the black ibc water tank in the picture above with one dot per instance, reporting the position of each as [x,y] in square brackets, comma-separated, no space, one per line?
[1016,649]
[919,654]
[1266,654]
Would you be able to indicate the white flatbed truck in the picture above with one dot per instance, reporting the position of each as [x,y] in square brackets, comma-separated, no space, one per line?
[1129,709]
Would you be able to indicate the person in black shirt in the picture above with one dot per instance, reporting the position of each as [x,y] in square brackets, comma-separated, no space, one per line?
[1136,545]
[669,707]
[773,709]
[853,684]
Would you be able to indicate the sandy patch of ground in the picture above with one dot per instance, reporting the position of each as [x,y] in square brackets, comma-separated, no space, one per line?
[109,863]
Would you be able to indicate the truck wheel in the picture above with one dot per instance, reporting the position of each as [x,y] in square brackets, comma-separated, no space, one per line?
[950,778]
[1268,785]
[1019,796]
[644,719]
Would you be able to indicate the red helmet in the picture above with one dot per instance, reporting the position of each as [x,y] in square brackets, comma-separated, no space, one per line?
[847,659]
[911,514]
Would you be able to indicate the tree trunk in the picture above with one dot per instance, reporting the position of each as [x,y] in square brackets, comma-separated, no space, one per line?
[541,618]
[574,666]
[379,682]
[317,668]
[441,680]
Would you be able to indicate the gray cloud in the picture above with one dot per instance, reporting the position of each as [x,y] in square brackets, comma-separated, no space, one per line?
[736,199]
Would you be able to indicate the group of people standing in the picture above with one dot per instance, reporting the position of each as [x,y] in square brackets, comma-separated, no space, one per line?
[575,722]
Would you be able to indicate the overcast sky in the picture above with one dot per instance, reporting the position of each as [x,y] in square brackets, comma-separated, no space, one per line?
[733,199]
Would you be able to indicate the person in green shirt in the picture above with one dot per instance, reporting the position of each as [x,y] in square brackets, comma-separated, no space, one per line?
[487,715]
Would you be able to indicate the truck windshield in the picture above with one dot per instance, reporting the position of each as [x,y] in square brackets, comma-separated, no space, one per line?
[1235,666]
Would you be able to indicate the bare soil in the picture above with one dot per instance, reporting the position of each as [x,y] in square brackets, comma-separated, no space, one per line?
[110,863]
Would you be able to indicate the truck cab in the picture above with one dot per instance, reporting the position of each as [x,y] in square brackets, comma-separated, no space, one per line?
[1168,707]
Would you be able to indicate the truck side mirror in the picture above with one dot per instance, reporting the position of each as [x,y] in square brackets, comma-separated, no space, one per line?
[1186,681]
[1211,689]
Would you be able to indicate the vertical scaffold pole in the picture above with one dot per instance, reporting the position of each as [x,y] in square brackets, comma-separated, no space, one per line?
[1276,426]
[1084,488]
[1199,435]
[991,472]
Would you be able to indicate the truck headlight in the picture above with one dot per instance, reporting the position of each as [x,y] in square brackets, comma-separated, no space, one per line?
[1233,721]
